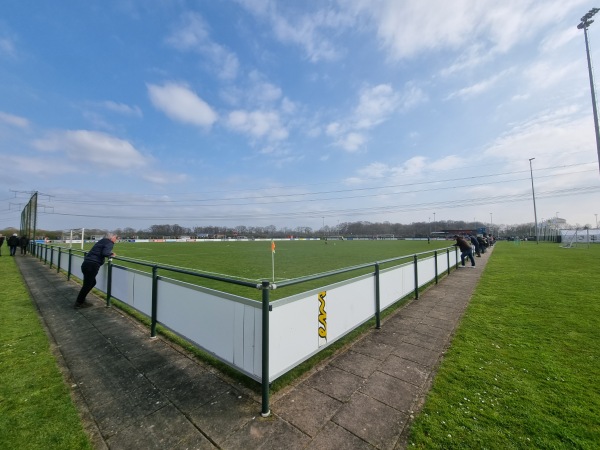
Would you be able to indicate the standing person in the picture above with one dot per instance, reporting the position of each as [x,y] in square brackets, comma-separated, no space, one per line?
[465,250]
[481,241]
[475,243]
[23,243]
[13,243]
[1,243]
[91,265]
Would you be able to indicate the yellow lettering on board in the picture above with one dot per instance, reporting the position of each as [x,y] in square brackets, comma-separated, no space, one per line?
[322,315]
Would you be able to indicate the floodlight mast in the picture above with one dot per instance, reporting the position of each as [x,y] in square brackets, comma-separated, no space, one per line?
[586,21]
[537,236]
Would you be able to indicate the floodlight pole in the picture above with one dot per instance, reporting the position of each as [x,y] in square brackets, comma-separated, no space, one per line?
[537,239]
[583,25]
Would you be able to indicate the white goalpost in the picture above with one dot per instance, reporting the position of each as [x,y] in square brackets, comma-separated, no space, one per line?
[73,236]
[573,238]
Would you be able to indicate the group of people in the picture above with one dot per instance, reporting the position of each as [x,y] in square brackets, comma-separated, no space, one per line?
[13,242]
[470,244]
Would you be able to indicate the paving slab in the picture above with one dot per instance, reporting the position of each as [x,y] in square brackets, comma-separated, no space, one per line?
[335,382]
[307,409]
[371,420]
[136,392]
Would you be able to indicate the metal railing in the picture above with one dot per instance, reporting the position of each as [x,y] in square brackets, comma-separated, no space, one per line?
[237,330]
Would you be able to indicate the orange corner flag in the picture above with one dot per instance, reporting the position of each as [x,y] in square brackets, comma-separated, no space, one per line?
[273,246]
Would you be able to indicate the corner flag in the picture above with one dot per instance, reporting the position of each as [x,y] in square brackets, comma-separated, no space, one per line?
[273,258]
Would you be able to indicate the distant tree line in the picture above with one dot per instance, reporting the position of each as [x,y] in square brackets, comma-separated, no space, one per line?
[362,228]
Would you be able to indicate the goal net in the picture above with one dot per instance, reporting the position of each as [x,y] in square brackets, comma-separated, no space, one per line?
[573,238]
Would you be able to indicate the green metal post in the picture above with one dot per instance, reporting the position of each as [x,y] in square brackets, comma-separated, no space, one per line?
[377,299]
[436,266]
[109,282]
[70,265]
[51,255]
[416,278]
[448,255]
[265,412]
[58,262]
[154,301]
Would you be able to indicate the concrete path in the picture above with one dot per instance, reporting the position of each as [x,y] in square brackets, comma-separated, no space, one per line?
[134,392]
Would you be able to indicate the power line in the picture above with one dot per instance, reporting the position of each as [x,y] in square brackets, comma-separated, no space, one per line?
[354,211]
[264,199]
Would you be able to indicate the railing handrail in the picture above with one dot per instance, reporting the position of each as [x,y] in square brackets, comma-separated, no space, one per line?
[258,283]
[165,267]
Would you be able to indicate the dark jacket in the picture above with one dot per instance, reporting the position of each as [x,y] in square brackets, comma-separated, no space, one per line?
[13,241]
[475,242]
[101,249]
[463,245]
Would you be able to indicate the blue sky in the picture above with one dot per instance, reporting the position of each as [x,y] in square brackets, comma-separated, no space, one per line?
[130,113]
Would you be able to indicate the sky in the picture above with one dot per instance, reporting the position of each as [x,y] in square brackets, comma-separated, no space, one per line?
[130,113]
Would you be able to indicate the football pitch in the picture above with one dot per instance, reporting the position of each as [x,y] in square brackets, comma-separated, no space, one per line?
[253,260]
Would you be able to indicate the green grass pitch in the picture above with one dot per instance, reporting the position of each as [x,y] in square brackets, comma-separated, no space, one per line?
[253,260]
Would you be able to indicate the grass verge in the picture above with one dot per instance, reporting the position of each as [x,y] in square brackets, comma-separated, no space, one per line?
[524,364]
[36,411]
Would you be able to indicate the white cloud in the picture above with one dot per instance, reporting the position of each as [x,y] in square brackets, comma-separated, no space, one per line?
[7,47]
[192,34]
[13,120]
[164,177]
[258,124]
[181,104]
[122,108]
[39,166]
[375,170]
[104,151]
[552,137]
[261,91]
[375,105]
[478,88]
[408,28]
[352,142]
[448,163]
[546,74]
[474,55]
[309,31]
[557,40]
[413,166]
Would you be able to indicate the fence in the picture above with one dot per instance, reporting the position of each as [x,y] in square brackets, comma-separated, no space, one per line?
[263,339]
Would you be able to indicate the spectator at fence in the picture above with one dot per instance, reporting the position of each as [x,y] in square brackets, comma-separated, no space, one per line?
[91,265]
[482,243]
[13,243]
[465,250]
[1,243]
[23,243]
[475,243]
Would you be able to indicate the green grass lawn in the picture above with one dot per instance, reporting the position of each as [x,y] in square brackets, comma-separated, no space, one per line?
[36,411]
[524,366]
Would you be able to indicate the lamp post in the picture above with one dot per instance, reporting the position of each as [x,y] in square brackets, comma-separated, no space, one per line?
[583,25]
[491,225]
[537,238]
